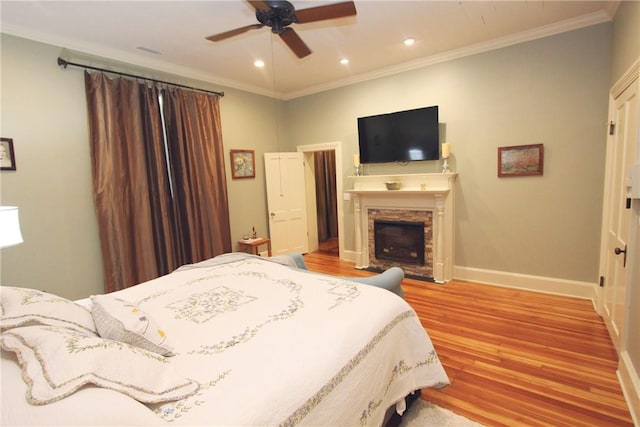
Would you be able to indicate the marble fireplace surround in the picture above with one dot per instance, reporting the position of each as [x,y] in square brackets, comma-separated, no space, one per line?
[418,192]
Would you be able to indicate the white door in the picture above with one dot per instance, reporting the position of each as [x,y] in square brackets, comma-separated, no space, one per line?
[621,154]
[286,202]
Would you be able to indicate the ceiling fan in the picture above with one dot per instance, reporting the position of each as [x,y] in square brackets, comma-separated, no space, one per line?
[279,15]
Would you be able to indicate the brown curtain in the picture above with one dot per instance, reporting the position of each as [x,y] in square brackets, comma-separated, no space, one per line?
[326,202]
[141,222]
[197,158]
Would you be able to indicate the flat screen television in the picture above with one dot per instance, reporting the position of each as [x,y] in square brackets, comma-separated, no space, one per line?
[403,136]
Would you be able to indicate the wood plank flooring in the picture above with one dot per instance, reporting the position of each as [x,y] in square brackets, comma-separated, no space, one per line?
[514,358]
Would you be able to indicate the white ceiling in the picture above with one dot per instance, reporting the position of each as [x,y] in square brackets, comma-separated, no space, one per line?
[372,40]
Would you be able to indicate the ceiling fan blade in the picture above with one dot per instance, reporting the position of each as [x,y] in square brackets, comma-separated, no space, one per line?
[259,4]
[330,11]
[295,43]
[221,36]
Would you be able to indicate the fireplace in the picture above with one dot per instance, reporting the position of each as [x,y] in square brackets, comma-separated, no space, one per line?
[426,198]
[399,241]
[401,238]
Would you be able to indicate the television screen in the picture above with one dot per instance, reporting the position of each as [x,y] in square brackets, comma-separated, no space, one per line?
[402,136]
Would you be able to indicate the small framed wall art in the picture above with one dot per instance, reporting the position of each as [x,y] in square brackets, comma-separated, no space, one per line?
[243,164]
[7,155]
[520,160]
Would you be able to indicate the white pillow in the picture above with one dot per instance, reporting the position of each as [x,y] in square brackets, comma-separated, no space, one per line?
[23,306]
[57,361]
[120,320]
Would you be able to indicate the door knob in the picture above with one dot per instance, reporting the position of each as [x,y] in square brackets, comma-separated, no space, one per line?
[273,214]
[619,251]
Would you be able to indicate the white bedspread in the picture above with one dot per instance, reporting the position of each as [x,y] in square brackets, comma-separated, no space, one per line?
[275,346]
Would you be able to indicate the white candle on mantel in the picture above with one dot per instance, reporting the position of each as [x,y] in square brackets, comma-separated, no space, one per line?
[446,150]
[356,160]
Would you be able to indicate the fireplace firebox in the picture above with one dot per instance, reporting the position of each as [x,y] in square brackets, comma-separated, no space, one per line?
[399,241]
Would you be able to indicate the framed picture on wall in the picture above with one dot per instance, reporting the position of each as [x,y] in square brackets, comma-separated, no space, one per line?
[7,155]
[243,164]
[520,160]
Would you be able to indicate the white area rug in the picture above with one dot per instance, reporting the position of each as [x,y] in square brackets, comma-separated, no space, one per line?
[423,413]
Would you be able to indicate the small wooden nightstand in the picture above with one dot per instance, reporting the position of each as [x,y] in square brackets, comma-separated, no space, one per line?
[253,244]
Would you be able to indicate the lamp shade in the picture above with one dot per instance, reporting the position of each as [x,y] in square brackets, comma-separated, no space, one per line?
[9,226]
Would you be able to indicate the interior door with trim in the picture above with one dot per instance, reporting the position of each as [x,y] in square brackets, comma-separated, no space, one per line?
[286,202]
[621,155]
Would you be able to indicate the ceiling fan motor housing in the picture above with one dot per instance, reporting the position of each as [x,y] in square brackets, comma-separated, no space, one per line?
[279,15]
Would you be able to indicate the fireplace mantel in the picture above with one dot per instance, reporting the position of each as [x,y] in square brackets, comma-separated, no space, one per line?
[431,191]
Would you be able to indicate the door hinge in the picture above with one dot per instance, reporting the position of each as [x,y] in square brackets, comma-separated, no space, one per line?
[602,281]
[612,128]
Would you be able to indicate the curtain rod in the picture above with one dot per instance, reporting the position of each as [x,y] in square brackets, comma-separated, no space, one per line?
[64,63]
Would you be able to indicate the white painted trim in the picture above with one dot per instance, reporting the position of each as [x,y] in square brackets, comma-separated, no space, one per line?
[626,80]
[494,44]
[547,285]
[348,256]
[335,146]
[420,192]
[630,383]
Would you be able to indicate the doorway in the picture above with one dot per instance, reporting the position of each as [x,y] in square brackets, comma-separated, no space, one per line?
[326,204]
[318,159]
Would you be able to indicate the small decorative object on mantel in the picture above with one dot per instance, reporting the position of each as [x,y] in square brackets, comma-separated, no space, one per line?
[357,167]
[520,160]
[446,153]
[243,164]
[392,185]
[7,155]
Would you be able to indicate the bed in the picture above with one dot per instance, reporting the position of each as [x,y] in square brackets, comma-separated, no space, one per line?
[237,340]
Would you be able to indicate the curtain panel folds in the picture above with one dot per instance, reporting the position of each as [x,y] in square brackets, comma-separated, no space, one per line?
[196,155]
[158,206]
[326,199]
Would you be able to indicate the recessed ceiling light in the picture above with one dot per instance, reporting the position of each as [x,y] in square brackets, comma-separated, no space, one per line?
[409,41]
[259,63]
[344,61]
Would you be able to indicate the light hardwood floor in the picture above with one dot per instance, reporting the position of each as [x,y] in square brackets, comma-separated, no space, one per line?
[514,358]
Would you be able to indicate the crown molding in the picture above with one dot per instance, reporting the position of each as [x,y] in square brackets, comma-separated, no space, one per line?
[153,66]
[498,43]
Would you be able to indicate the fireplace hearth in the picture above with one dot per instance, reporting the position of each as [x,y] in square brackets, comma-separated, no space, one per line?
[399,241]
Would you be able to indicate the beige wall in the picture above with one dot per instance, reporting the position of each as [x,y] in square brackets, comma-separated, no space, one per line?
[43,109]
[551,91]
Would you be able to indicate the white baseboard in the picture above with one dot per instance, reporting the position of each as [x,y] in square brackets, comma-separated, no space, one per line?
[348,256]
[548,285]
[630,383]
